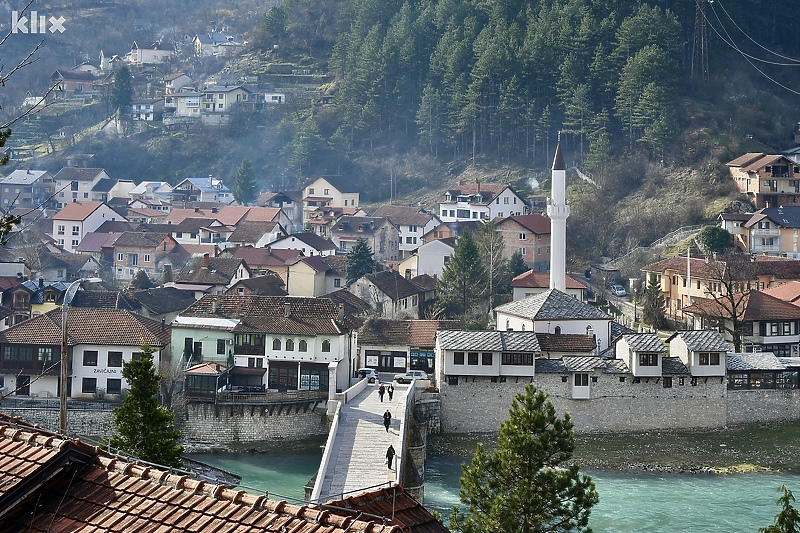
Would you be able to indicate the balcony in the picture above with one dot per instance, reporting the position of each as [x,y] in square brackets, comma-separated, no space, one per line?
[764,232]
[765,248]
[246,349]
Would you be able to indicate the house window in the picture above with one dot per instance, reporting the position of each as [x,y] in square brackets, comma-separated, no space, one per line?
[472,358]
[326,345]
[220,346]
[581,380]
[114,386]
[709,359]
[505,200]
[326,192]
[89,385]
[276,344]
[337,282]
[302,346]
[146,258]
[90,358]
[522,236]
[486,358]
[255,362]
[74,242]
[648,359]
[667,382]
[45,354]
[458,358]
[76,230]
[240,291]
[517,359]
[133,259]
[289,345]
[452,380]
[115,359]
[61,230]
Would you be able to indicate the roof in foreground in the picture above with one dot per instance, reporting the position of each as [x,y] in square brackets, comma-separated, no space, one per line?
[54,484]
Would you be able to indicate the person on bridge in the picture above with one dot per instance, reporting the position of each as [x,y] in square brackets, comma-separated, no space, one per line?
[389,456]
[387,420]
[390,390]
[381,391]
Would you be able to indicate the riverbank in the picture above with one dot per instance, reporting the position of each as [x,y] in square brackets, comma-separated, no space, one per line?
[750,448]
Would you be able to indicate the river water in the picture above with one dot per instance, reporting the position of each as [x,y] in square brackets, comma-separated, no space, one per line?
[628,502]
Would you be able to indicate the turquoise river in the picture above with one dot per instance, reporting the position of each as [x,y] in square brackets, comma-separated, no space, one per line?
[666,503]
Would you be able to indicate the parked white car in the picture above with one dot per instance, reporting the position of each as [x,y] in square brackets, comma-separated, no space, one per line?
[369,373]
[618,290]
[410,376]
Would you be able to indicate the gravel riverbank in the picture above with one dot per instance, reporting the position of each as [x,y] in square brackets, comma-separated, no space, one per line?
[751,448]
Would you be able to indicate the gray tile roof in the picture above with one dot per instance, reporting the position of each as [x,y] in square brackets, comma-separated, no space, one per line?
[673,366]
[738,362]
[580,364]
[707,340]
[552,305]
[645,342]
[495,341]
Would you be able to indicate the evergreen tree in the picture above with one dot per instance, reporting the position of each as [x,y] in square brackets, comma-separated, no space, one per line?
[715,239]
[143,428]
[523,486]
[360,261]
[122,92]
[464,279]
[512,268]
[788,520]
[653,305]
[245,187]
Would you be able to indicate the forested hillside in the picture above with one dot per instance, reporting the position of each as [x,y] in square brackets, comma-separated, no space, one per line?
[492,82]
[421,93]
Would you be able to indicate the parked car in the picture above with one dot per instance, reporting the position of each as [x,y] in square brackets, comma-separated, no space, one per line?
[410,376]
[618,290]
[369,373]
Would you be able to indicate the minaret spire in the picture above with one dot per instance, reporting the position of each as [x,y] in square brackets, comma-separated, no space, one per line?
[558,211]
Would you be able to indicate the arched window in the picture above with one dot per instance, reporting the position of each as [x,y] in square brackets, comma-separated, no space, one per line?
[326,345]
[508,325]
[276,344]
[523,327]
[302,346]
[289,345]
[558,330]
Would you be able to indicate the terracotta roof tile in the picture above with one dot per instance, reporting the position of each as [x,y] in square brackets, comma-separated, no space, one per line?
[77,210]
[534,222]
[400,214]
[87,325]
[541,280]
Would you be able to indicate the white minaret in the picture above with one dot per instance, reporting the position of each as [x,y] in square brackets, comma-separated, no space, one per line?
[558,211]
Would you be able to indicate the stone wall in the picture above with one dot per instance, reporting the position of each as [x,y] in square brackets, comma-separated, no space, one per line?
[479,405]
[84,423]
[753,406]
[206,423]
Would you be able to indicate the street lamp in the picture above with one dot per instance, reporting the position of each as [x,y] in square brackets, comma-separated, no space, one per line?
[69,294]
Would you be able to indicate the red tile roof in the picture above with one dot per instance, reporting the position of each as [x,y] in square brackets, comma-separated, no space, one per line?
[788,292]
[534,222]
[53,484]
[406,512]
[86,325]
[750,306]
[77,211]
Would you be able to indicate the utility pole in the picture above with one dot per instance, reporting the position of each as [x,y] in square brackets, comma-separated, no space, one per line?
[700,44]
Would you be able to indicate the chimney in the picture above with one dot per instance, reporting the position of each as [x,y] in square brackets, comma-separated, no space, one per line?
[168,273]
[287,310]
[478,185]
[214,306]
[341,312]
[205,260]
[41,283]
[163,324]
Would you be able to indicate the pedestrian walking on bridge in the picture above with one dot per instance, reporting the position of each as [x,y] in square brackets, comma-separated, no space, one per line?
[387,420]
[389,456]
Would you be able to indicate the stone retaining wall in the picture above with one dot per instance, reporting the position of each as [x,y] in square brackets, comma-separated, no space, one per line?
[753,406]
[211,424]
[84,423]
[480,405]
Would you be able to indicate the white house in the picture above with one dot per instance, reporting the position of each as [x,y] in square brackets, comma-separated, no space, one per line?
[411,222]
[480,201]
[702,351]
[555,312]
[642,352]
[99,342]
[306,242]
[72,184]
[79,218]
[333,191]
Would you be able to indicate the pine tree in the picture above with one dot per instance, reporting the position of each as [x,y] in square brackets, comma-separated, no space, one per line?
[523,485]
[360,261]
[464,279]
[143,428]
[653,305]
[788,520]
[512,268]
[245,187]
[122,92]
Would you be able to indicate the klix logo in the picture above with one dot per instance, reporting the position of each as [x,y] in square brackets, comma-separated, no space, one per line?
[36,24]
